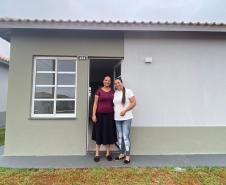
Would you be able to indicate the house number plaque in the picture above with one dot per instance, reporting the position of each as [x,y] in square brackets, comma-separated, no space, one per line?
[81,57]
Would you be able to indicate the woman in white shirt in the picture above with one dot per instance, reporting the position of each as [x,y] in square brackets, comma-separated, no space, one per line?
[124,101]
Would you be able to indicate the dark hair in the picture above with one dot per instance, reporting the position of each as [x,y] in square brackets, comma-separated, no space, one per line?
[106,77]
[123,92]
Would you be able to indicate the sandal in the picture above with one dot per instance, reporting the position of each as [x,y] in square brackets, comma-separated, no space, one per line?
[96,158]
[126,161]
[108,157]
[120,158]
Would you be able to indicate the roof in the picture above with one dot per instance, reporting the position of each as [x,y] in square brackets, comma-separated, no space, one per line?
[7,19]
[7,24]
[4,60]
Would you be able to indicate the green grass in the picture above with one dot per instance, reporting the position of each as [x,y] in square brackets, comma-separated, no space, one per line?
[2,136]
[114,176]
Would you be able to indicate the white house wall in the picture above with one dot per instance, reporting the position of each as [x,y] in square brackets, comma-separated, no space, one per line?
[185,85]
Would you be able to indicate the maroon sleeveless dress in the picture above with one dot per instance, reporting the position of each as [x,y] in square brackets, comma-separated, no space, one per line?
[104,130]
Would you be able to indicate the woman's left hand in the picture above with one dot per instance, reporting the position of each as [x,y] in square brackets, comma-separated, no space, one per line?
[123,113]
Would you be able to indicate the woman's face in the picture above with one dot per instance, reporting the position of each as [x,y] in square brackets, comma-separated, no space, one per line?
[118,85]
[107,81]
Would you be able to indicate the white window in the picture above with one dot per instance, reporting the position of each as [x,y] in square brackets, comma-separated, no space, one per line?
[54,87]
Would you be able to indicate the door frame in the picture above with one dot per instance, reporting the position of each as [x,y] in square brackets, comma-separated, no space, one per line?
[120,60]
[116,65]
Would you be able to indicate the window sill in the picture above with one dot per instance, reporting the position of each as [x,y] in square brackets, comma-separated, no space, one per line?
[56,118]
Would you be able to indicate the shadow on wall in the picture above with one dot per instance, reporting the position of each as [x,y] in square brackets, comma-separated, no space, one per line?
[2,119]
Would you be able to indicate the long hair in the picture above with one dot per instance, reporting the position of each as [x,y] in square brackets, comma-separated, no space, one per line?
[123,92]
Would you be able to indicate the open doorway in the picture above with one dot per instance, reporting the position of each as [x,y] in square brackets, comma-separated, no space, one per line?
[98,69]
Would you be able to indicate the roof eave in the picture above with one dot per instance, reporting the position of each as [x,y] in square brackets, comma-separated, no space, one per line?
[6,25]
[120,26]
[5,34]
[4,61]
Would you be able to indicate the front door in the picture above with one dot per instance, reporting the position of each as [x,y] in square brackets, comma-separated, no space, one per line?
[99,68]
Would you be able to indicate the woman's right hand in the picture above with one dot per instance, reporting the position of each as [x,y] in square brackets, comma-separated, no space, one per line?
[94,118]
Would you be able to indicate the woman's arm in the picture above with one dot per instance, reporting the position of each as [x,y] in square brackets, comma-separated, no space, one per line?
[132,104]
[94,118]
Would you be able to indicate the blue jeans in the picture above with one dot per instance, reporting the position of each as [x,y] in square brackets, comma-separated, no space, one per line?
[123,132]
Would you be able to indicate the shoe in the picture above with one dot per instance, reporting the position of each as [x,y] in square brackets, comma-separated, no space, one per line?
[96,158]
[109,158]
[126,161]
[119,158]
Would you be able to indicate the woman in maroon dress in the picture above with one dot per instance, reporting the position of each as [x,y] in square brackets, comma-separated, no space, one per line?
[104,129]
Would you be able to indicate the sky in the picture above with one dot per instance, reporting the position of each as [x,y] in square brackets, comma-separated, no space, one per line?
[139,10]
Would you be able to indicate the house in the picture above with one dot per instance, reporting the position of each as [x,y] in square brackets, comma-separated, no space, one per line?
[4,68]
[177,71]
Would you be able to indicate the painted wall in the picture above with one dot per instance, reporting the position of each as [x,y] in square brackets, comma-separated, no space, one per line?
[185,85]
[181,102]
[4,68]
[25,136]
[179,61]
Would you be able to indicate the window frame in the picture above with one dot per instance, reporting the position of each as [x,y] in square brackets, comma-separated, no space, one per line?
[54,99]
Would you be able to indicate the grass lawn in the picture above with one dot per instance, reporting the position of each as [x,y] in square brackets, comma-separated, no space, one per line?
[2,136]
[114,176]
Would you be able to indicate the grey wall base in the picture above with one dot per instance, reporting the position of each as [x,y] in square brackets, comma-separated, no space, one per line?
[178,140]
